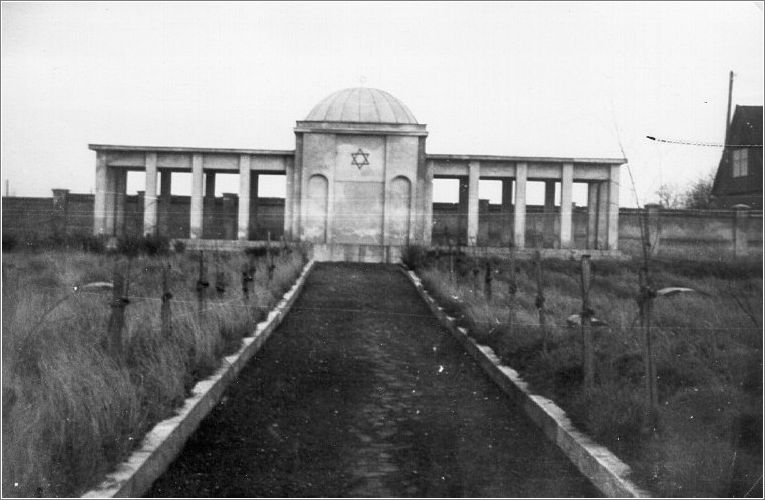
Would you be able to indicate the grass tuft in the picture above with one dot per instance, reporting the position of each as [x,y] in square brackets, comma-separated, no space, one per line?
[708,349]
[73,409]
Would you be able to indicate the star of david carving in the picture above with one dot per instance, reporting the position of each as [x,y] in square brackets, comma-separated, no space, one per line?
[364,158]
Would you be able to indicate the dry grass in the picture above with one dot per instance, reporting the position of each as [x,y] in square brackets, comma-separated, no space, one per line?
[709,359]
[71,408]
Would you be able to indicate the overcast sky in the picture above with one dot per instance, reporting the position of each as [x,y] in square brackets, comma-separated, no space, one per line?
[547,79]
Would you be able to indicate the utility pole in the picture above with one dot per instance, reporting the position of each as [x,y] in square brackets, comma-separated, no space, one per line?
[727,119]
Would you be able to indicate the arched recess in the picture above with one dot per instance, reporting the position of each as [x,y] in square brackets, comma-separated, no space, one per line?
[399,202]
[315,228]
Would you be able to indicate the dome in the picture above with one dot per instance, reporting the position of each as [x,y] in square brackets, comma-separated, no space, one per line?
[362,105]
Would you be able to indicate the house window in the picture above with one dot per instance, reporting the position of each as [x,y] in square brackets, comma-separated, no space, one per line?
[740,162]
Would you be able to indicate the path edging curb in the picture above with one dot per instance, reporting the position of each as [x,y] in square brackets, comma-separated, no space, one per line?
[606,471]
[161,445]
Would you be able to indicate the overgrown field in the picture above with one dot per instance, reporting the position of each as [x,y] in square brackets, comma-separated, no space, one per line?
[707,344]
[73,404]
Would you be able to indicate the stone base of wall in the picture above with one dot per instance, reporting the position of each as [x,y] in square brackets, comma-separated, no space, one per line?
[528,253]
[337,252]
[225,245]
[391,254]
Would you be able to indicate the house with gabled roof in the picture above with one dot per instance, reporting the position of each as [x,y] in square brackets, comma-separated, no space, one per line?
[739,174]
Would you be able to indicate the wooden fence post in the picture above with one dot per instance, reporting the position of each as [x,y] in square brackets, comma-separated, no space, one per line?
[451,261]
[120,285]
[220,278]
[487,280]
[165,313]
[268,245]
[740,223]
[270,255]
[653,221]
[540,300]
[248,276]
[476,271]
[246,279]
[585,317]
[202,285]
[645,304]
[512,289]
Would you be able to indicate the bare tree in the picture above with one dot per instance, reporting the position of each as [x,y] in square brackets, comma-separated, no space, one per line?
[668,196]
[699,193]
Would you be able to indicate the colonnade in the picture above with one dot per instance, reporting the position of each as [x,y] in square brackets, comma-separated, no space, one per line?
[158,164]
[111,187]
[602,200]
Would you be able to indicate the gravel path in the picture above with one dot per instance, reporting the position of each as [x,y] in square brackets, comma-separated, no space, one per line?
[360,393]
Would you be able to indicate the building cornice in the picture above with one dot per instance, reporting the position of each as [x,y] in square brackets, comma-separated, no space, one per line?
[186,150]
[524,159]
[325,127]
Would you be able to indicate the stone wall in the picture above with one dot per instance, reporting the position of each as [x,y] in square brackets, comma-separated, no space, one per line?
[74,215]
[681,231]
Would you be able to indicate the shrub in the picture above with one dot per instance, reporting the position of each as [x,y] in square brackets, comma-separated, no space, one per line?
[155,245]
[148,245]
[413,256]
[93,244]
[10,241]
[255,251]
[179,246]
[129,245]
[57,241]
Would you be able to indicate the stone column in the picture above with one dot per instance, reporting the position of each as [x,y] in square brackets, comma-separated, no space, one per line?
[506,232]
[254,219]
[474,173]
[119,203]
[521,171]
[229,227]
[297,189]
[740,236]
[592,215]
[548,217]
[427,230]
[463,211]
[99,202]
[59,210]
[150,196]
[566,200]
[165,198]
[289,182]
[243,219]
[613,208]
[197,202]
[111,191]
[602,241]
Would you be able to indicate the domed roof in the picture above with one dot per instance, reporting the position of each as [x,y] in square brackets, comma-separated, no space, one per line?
[362,105]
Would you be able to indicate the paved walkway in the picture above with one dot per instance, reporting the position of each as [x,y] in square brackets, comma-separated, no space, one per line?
[360,393]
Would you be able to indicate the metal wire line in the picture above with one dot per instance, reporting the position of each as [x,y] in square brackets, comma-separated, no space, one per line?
[236,303]
[704,144]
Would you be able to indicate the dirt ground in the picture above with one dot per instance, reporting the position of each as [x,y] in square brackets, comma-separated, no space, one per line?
[360,393]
